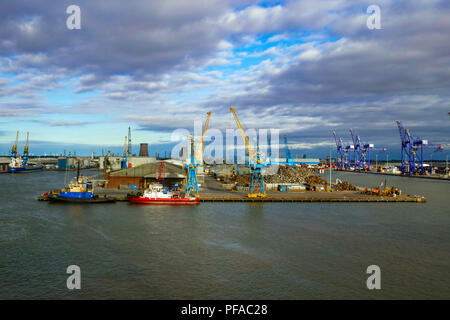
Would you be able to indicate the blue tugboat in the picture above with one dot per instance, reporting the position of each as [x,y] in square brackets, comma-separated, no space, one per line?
[78,192]
[20,164]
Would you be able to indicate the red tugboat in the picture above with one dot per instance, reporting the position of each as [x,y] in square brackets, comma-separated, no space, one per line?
[158,194]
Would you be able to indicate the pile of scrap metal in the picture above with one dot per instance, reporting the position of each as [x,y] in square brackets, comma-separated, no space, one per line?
[388,191]
[344,186]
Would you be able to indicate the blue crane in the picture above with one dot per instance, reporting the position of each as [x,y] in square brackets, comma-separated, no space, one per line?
[196,160]
[289,160]
[348,149]
[25,150]
[339,151]
[365,154]
[361,153]
[412,150]
[356,151]
[125,154]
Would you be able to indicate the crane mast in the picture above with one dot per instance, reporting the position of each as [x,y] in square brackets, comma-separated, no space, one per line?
[257,184]
[25,150]
[412,151]
[14,147]
[125,154]
[339,151]
[196,159]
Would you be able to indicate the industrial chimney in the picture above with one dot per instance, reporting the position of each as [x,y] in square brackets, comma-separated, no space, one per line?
[143,151]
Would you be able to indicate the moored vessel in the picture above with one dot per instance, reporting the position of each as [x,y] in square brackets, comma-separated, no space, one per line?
[78,191]
[21,164]
[158,194]
[18,165]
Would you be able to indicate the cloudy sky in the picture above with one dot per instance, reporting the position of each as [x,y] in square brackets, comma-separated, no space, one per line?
[303,67]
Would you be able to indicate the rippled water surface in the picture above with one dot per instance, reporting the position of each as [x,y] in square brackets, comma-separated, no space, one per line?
[224,250]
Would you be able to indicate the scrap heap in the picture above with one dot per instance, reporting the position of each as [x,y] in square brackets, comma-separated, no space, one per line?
[287,174]
[344,186]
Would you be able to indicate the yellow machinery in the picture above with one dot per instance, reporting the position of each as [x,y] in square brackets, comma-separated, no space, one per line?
[196,160]
[14,147]
[256,163]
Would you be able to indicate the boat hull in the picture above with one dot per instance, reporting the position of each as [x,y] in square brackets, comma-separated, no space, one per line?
[57,198]
[145,200]
[25,169]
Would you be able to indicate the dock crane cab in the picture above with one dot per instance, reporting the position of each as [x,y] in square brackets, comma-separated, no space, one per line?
[14,147]
[196,159]
[25,150]
[256,162]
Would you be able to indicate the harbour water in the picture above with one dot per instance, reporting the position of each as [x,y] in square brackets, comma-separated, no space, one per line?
[224,250]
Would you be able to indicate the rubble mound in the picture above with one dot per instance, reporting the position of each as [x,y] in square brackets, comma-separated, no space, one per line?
[344,186]
[294,175]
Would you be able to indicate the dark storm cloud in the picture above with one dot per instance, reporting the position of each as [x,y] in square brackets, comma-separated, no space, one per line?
[369,78]
[136,37]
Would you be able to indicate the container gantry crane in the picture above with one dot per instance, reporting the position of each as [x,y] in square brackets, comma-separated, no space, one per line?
[365,154]
[25,150]
[362,153]
[339,151]
[348,149]
[356,151]
[14,147]
[196,160]
[412,150]
[256,162]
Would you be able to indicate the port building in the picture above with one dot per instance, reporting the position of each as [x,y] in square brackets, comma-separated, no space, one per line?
[167,172]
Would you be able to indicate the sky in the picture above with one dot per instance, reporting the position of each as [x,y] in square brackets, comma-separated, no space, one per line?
[305,68]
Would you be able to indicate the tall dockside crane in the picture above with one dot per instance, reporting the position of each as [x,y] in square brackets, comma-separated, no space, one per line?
[347,152]
[412,150]
[256,162]
[25,150]
[362,153]
[14,147]
[356,151]
[365,154]
[196,160]
[339,151]
[289,160]
[125,154]
[129,141]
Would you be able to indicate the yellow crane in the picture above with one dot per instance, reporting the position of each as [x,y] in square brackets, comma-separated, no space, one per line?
[256,162]
[196,160]
[14,147]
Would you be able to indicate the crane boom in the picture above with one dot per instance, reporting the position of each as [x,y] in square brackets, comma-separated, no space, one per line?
[248,146]
[200,145]
[257,188]
[14,147]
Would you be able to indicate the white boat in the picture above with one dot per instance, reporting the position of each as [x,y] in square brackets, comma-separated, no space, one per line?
[158,194]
